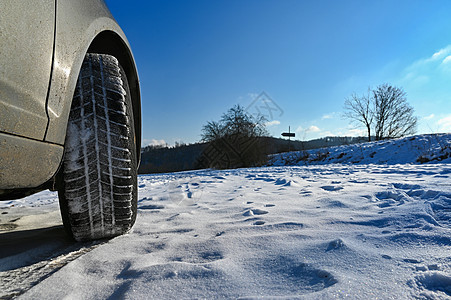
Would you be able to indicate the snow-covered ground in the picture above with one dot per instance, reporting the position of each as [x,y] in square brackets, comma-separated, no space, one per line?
[358,231]
[430,148]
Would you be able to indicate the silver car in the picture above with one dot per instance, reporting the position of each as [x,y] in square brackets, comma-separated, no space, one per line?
[70,112]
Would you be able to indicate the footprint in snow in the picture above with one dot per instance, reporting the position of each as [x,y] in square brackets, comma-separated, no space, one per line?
[390,198]
[358,181]
[440,209]
[331,188]
[299,278]
[406,186]
[255,211]
[286,226]
[438,283]
[284,182]
[412,261]
[259,223]
[199,257]
[152,206]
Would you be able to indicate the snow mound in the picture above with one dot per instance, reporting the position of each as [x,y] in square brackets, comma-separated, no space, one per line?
[418,149]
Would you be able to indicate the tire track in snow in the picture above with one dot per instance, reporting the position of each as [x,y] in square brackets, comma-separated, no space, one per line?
[22,271]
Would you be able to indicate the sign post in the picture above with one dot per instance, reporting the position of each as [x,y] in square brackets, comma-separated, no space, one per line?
[289,135]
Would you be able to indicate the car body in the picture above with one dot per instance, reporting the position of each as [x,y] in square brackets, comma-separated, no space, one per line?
[42,52]
[43,47]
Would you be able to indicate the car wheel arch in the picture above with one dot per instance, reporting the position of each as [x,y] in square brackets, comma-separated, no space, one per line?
[109,42]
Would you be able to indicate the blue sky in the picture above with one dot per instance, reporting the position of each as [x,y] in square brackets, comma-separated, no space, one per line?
[196,59]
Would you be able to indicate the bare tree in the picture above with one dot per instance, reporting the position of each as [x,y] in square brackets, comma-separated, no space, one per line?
[211,131]
[384,108]
[393,115]
[359,110]
[235,122]
[234,141]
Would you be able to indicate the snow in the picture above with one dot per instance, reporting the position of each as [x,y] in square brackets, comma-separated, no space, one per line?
[416,149]
[366,230]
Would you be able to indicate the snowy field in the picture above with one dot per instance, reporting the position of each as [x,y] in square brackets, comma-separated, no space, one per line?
[430,148]
[357,231]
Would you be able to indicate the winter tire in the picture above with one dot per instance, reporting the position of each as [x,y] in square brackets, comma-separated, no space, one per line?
[98,189]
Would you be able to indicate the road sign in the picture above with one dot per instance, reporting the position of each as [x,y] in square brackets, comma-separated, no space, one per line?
[288,134]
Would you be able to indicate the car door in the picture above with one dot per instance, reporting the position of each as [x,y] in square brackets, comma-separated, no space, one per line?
[26,49]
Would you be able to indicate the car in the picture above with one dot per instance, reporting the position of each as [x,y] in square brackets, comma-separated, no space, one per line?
[70,113]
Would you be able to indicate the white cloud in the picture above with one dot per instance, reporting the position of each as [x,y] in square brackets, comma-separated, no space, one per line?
[299,129]
[427,70]
[327,133]
[437,54]
[313,128]
[430,117]
[328,116]
[153,142]
[442,52]
[445,124]
[273,123]
[302,132]
[356,132]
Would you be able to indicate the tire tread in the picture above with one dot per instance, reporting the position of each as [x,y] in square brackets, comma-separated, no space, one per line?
[99,170]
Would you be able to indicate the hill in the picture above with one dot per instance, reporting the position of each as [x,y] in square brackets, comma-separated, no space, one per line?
[411,150]
[165,159]
[185,157]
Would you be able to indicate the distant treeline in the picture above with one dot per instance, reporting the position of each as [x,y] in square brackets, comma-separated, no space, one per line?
[182,157]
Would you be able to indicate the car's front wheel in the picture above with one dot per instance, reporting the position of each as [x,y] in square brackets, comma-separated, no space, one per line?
[98,190]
